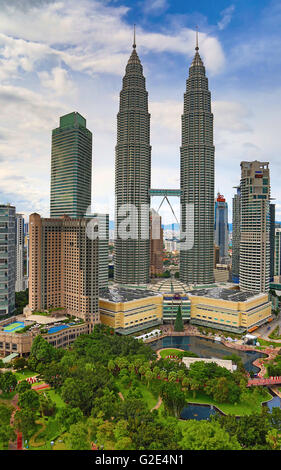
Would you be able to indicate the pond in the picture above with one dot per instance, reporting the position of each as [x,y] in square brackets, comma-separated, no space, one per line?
[205,347]
[198,412]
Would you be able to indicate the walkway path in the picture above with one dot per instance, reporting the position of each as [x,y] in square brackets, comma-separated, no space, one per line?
[158,404]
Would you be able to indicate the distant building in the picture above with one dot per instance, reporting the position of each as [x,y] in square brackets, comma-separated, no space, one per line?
[19,226]
[102,222]
[277,253]
[7,259]
[236,234]
[221,273]
[216,255]
[221,228]
[272,239]
[63,267]
[156,244]
[254,271]
[71,167]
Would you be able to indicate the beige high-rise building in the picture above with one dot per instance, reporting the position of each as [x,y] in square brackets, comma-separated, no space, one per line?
[63,267]
[156,244]
[254,269]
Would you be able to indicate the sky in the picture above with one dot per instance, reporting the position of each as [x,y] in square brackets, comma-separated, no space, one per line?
[59,56]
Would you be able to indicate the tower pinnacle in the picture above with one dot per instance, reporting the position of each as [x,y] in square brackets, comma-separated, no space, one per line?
[197,47]
[134,44]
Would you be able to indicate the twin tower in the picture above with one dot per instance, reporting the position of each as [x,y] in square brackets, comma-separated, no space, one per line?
[133,178]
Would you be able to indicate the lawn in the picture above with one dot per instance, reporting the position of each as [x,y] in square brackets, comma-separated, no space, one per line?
[147,395]
[263,342]
[238,409]
[54,396]
[25,374]
[170,352]
[47,431]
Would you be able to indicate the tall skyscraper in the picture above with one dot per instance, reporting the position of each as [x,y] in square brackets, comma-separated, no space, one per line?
[132,176]
[272,239]
[63,267]
[197,176]
[236,234]
[19,226]
[71,167]
[254,272]
[221,227]
[7,259]
[277,254]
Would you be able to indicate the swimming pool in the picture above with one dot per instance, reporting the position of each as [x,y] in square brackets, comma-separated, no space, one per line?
[55,329]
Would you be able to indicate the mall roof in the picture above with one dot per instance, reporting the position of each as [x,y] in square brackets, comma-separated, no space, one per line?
[221,293]
[120,294]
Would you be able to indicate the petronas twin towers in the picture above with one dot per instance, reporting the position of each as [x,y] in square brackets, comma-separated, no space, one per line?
[133,176]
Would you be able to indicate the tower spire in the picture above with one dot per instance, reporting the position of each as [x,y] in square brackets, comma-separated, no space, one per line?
[134,44]
[197,47]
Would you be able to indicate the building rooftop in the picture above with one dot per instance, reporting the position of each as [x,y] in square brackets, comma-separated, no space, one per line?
[224,294]
[121,294]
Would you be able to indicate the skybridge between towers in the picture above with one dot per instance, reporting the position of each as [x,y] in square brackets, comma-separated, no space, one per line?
[166,193]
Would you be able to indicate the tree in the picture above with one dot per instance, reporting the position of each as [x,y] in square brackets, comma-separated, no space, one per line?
[25,422]
[30,400]
[78,437]
[6,435]
[205,435]
[273,438]
[179,323]
[41,353]
[67,416]
[7,381]
[19,363]
[23,386]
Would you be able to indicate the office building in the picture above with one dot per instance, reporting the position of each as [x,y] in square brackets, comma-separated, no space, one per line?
[277,253]
[221,228]
[272,239]
[197,178]
[254,271]
[63,267]
[156,244]
[7,259]
[132,178]
[19,226]
[71,167]
[236,235]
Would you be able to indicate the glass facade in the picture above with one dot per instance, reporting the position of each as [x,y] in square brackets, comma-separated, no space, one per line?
[71,167]
[7,259]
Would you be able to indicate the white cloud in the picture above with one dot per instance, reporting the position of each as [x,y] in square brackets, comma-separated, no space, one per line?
[226,17]
[231,116]
[58,81]
[155,6]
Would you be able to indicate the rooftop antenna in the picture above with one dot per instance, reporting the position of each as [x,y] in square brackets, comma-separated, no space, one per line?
[134,44]
[197,47]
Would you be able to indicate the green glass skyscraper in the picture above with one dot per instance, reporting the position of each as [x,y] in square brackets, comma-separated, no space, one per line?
[71,167]
[197,178]
[132,176]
